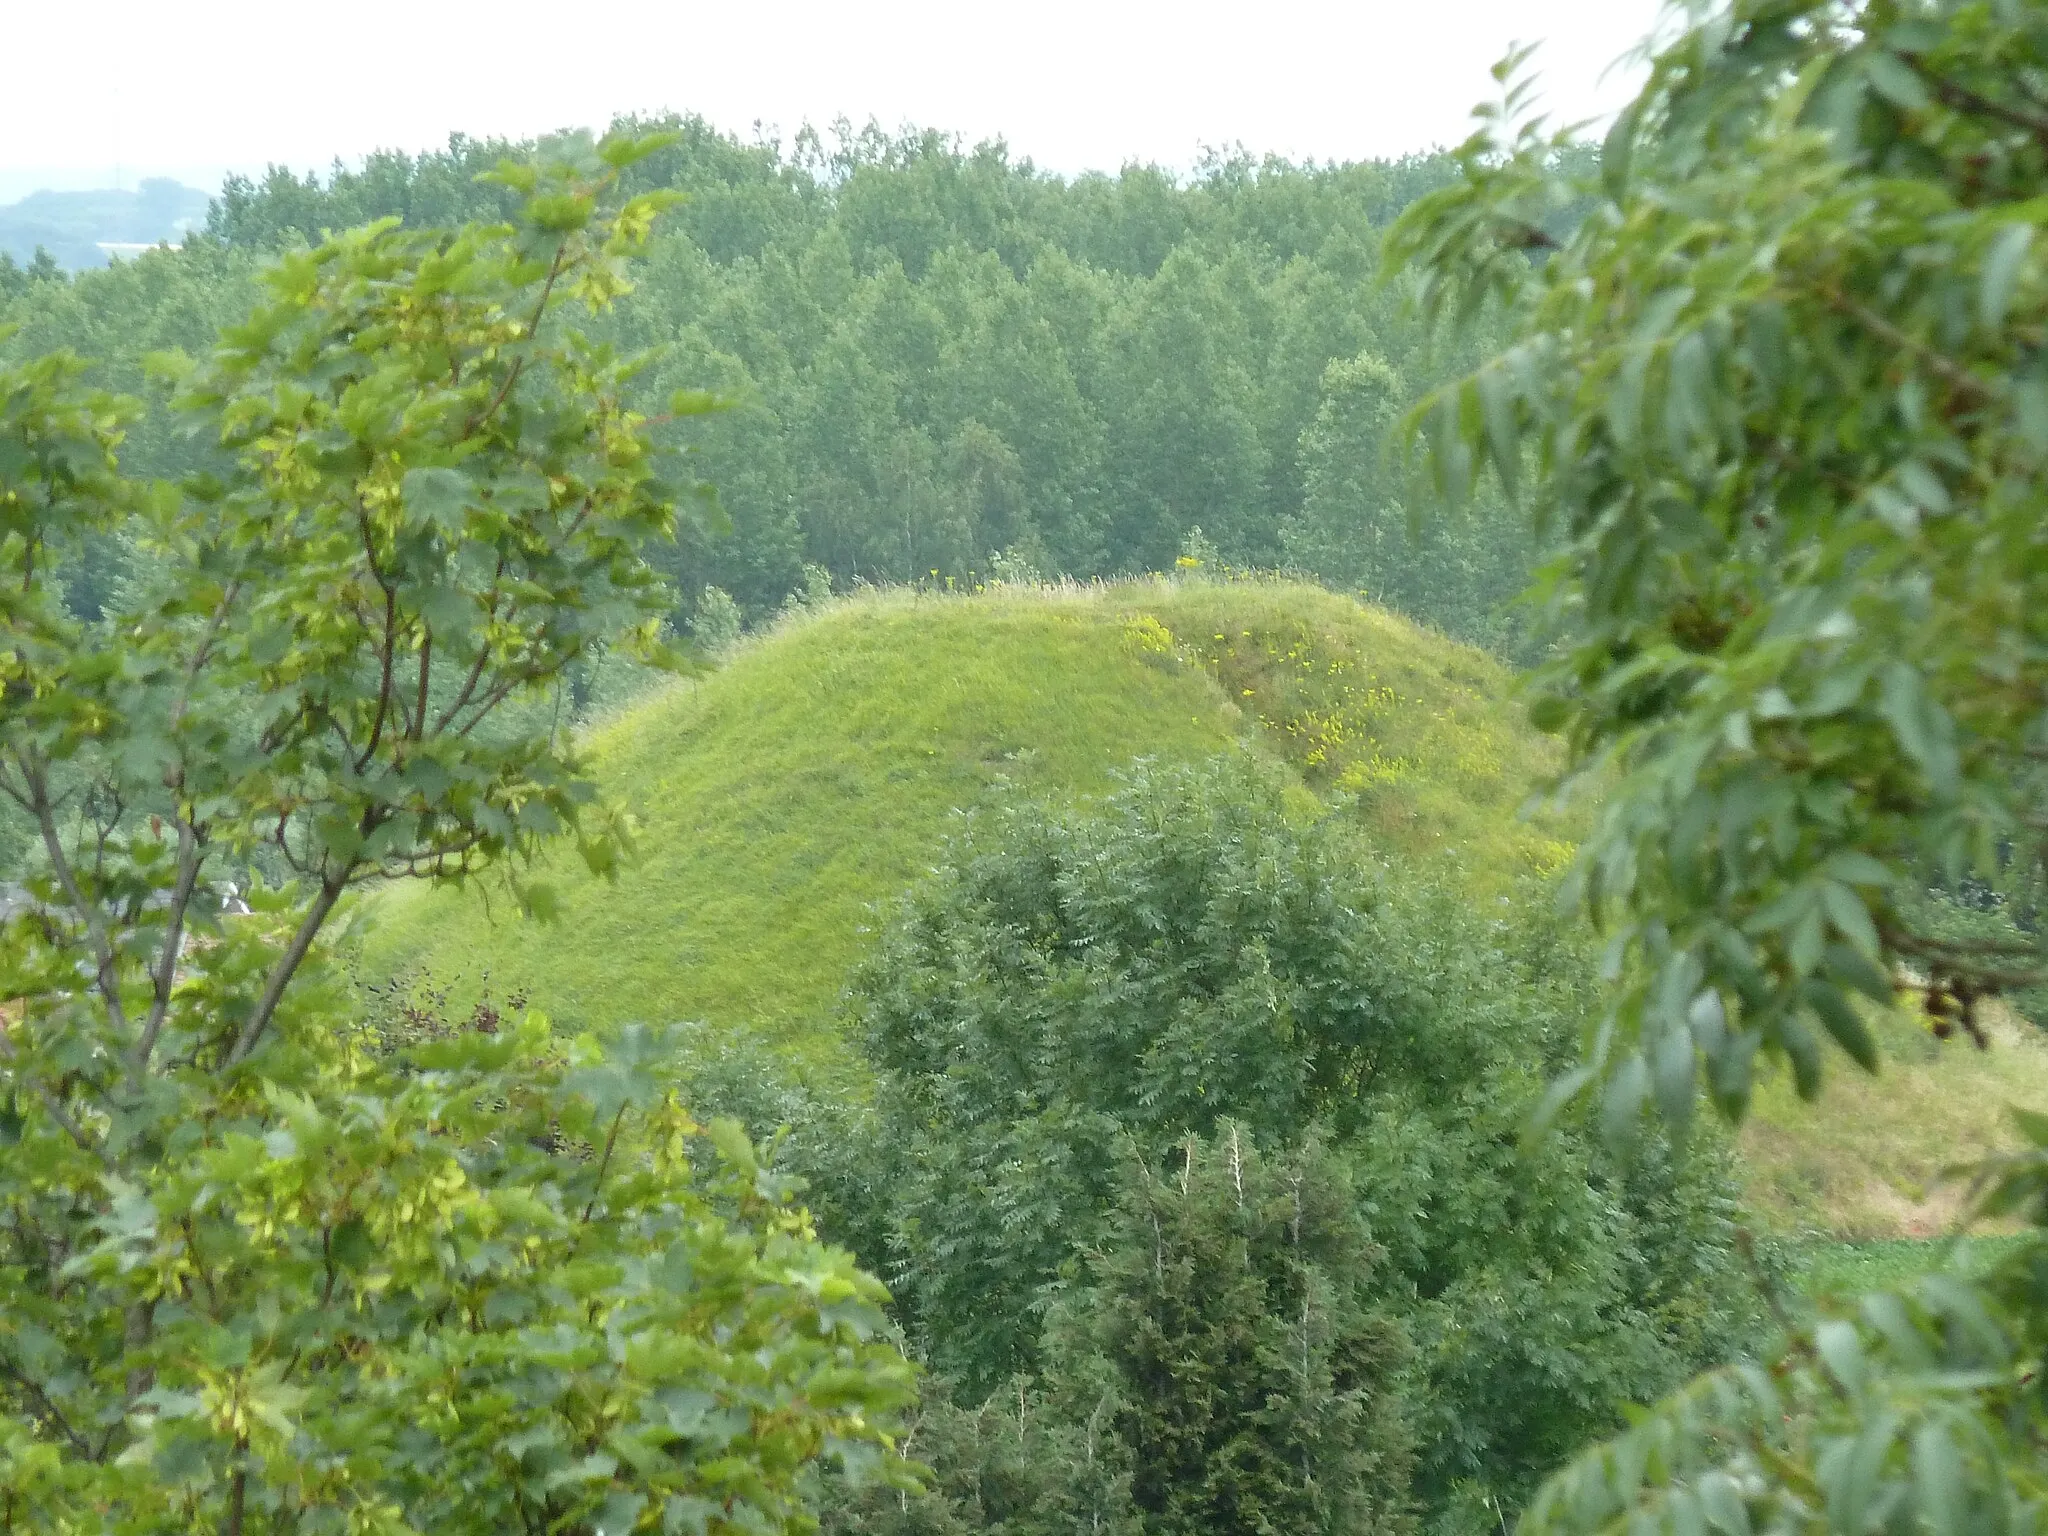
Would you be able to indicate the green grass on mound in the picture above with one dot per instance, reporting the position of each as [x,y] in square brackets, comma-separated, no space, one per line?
[788,796]
[817,774]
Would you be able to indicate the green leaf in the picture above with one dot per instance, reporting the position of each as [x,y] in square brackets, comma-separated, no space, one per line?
[2002,266]
[1803,1051]
[442,496]
[696,402]
[1924,486]
[1895,80]
[1497,405]
[1919,724]
[351,1244]
[1855,968]
[1628,1088]
[621,150]
[620,1514]
[1623,402]
[1721,1502]
[1688,408]
[1841,1020]
[1938,1479]
[2030,409]
[1841,1350]
[1808,938]
[733,1144]
[1854,867]
[1672,1067]
[1616,149]
[1559,1093]
[1849,916]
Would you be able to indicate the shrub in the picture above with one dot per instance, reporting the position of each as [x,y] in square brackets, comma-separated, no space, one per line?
[1068,988]
[715,625]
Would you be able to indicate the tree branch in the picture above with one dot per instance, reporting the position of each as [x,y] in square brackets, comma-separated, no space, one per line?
[287,966]
[95,922]
[46,1406]
[54,1107]
[419,715]
[483,654]
[390,645]
[604,1163]
[1952,372]
[174,939]
[1963,99]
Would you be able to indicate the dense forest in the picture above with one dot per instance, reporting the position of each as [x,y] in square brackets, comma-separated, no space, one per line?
[1228,1140]
[934,357]
[899,363]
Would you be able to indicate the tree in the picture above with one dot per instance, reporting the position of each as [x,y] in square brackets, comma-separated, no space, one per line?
[1182,410]
[929,352]
[1779,396]
[1223,1367]
[1354,529]
[263,1265]
[1073,991]
[1793,461]
[1230,1332]
[1351,522]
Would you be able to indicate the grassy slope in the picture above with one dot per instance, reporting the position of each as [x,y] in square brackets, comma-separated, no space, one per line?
[1866,1163]
[817,773]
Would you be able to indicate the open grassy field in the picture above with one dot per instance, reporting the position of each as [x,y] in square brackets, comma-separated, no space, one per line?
[785,799]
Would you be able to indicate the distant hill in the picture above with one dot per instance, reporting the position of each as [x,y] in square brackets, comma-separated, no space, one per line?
[85,229]
[786,797]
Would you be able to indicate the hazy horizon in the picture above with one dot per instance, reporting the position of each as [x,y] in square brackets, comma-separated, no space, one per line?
[196,92]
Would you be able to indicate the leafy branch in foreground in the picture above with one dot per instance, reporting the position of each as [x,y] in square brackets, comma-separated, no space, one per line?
[1781,398]
[261,1268]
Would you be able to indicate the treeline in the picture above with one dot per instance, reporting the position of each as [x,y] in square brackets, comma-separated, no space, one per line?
[933,356]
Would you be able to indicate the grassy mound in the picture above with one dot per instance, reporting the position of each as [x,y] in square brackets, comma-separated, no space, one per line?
[783,798]
[816,774]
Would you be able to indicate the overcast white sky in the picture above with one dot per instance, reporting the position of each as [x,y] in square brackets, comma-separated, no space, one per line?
[191,88]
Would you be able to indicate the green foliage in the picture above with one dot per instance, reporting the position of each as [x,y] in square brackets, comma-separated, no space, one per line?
[715,626]
[1780,392]
[929,353]
[1781,399]
[1354,531]
[15,278]
[1072,992]
[259,1265]
[1229,1338]
[372,1291]
[1917,1406]
[1222,1370]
